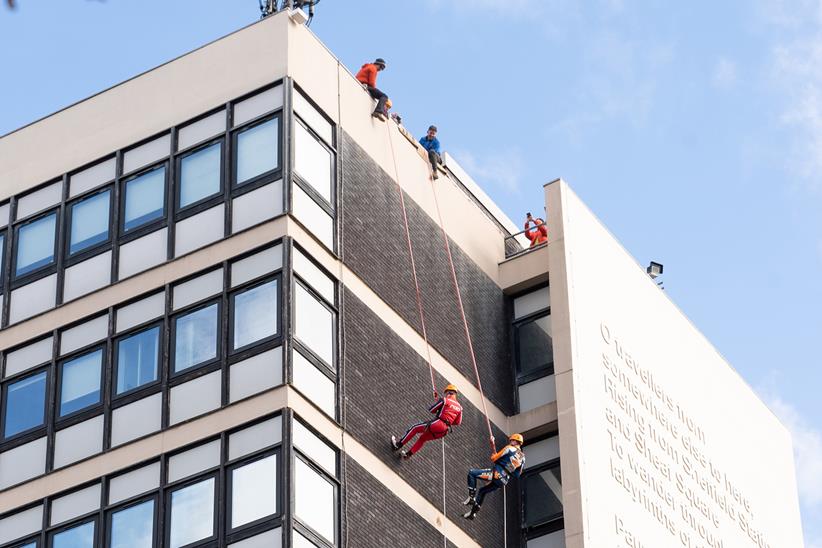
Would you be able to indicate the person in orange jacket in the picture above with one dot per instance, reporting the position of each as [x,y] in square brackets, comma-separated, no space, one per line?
[448,413]
[539,235]
[508,462]
[368,77]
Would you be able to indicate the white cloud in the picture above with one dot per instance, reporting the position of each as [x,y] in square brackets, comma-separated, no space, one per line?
[724,76]
[502,168]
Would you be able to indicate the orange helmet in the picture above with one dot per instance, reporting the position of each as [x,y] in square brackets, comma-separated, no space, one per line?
[451,388]
[516,437]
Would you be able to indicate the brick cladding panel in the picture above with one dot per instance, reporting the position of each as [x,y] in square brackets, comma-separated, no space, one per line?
[386,389]
[376,517]
[374,247]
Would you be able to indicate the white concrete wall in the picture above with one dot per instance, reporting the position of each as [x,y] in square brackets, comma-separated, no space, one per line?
[658,418]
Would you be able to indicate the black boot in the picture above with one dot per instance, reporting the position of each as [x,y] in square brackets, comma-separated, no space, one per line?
[471,492]
[472,513]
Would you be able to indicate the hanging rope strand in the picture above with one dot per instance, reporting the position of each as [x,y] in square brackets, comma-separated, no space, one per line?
[413,266]
[464,319]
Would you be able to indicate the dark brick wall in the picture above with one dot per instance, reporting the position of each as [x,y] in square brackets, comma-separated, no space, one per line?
[377,517]
[374,247]
[386,388]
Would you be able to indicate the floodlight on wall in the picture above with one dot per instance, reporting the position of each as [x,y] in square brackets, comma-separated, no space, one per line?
[654,270]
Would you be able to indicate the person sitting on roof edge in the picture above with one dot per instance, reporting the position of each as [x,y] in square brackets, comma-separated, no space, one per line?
[539,235]
[508,462]
[432,145]
[368,77]
[448,413]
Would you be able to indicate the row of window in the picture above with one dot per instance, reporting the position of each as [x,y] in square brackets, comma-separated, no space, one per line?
[183,491]
[132,211]
[229,490]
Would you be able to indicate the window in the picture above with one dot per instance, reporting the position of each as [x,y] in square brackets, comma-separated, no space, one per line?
[542,492]
[257,150]
[35,244]
[80,381]
[192,513]
[535,351]
[144,198]
[551,540]
[200,174]
[89,222]
[314,324]
[315,500]
[313,161]
[255,314]
[25,404]
[138,359]
[195,338]
[254,491]
[80,536]
[133,527]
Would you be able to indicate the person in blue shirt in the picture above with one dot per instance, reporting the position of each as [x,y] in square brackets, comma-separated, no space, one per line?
[432,145]
[508,463]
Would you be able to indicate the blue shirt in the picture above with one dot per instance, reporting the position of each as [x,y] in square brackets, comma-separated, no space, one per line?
[430,144]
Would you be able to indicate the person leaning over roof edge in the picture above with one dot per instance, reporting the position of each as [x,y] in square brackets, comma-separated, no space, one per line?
[539,235]
[432,145]
[367,76]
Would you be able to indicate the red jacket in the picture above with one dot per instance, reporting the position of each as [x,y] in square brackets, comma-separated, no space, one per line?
[368,75]
[538,235]
[448,411]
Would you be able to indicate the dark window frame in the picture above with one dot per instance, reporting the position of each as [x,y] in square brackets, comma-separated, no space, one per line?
[264,178]
[89,410]
[126,235]
[93,249]
[550,524]
[207,365]
[34,432]
[43,271]
[304,528]
[117,338]
[247,286]
[330,207]
[230,467]
[206,202]
[170,489]
[545,369]
[110,510]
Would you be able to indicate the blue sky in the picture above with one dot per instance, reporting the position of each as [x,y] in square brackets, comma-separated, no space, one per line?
[693,129]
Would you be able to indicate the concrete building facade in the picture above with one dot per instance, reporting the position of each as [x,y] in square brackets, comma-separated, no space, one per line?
[210,331]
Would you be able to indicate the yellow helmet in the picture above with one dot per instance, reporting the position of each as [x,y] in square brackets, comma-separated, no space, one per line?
[516,437]
[451,388]
[388,103]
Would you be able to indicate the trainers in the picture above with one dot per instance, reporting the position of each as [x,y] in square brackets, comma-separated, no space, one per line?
[472,513]
[436,175]
[470,499]
[379,115]
[395,445]
[405,455]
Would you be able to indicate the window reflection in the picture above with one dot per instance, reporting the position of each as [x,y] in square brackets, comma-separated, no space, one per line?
[137,358]
[200,174]
[192,513]
[89,222]
[255,314]
[81,536]
[195,338]
[254,491]
[133,527]
[35,244]
[145,198]
[80,382]
[25,404]
[257,150]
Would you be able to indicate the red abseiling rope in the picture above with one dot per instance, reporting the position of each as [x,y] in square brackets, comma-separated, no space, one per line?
[464,319]
[413,267]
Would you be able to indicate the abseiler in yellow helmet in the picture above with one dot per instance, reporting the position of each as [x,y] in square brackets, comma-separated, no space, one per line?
[451,388]
[516,437]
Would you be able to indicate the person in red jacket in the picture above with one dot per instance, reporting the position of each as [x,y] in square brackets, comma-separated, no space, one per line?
[539,235]
[368,77]
[448,413]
